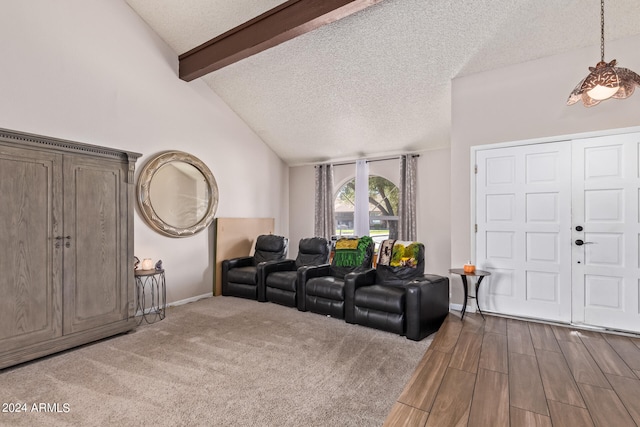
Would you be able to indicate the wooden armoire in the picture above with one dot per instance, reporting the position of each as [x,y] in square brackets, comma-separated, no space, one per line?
[66,244]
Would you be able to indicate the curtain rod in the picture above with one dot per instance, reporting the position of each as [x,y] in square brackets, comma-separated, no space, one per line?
[371,161]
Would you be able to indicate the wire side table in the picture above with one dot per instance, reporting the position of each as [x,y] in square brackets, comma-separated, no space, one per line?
[154,281]
[479,274]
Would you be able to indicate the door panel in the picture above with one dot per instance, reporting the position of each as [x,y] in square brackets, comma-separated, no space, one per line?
[30,212]
[605,203]
[542,247]
[542,286]
[523,216]
[95,290]
[542,208]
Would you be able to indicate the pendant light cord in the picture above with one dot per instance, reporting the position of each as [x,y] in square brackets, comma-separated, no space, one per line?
[602,30]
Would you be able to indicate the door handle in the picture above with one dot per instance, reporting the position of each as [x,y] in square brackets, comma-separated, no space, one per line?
[580,243]
[59,238]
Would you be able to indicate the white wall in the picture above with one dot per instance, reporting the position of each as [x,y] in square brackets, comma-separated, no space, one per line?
[92,71]
[433,202]
[522,102]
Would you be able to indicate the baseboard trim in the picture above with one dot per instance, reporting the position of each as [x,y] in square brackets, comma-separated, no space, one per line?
[458,307]
[151,310]
[188,300]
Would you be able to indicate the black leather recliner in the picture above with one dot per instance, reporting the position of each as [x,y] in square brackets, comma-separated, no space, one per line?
[321,288]
[241,276]
[281,278]
[399,299]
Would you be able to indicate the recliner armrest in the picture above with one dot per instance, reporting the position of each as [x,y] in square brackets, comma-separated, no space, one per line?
[427,305]
[261,270]
[284,265]
[310,271]
[305,273]
[246,261]
[264,269]
[353,281]
[229,264]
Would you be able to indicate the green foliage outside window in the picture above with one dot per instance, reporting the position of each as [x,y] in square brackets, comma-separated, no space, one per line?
[383,204]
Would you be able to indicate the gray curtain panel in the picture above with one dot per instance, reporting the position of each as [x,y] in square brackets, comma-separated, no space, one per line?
[407,203]
[361,214]
[324,221]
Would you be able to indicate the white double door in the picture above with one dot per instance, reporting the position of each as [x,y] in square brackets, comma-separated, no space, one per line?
[558,226]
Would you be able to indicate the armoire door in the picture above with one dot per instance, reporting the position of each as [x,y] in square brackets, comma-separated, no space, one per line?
[523,215]
[30,262]
[606,232]
[95,226]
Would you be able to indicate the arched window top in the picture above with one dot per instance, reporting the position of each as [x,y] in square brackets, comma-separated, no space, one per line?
[383,208]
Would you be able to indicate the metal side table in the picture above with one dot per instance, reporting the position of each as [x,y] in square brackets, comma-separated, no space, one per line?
[479,274]
[153,283]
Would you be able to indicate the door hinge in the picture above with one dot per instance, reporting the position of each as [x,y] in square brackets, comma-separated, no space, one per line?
[475,169]
[476,227]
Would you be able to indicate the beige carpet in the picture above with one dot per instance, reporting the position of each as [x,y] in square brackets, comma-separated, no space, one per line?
[220,361]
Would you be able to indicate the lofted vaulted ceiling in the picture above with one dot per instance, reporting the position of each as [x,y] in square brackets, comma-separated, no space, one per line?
[378,81]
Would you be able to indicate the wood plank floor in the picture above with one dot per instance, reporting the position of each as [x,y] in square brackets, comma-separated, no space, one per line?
[506,372]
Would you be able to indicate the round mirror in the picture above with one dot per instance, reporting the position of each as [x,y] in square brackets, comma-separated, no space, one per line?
[177,194]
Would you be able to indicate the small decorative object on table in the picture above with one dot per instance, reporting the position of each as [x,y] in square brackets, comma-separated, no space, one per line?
[159,265]
[136,263]
[147,264]
[469,268]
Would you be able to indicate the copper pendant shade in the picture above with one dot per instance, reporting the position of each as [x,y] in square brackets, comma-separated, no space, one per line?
[605,80]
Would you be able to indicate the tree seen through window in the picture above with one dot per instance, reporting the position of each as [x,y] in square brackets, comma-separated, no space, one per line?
[383,208]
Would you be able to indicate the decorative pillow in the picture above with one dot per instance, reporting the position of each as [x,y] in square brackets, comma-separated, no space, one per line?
[396,253]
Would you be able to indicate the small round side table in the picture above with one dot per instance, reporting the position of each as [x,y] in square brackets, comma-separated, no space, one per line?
[480,275]
[155,281]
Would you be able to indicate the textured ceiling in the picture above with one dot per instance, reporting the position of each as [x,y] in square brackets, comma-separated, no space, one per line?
[379,81]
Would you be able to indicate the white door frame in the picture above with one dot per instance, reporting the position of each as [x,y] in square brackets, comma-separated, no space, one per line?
[558,138]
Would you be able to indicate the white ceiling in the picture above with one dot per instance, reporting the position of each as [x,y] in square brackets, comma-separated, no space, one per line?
[379,81]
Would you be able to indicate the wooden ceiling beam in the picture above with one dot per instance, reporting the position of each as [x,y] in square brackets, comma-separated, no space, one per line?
[282,23]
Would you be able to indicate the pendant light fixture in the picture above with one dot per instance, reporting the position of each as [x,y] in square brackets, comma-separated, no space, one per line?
[605,80]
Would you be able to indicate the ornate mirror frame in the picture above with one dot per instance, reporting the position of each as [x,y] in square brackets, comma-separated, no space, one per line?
[143,188]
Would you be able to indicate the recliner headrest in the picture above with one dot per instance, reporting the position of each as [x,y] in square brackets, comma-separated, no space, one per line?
[314,245]
[313,251]
[270,248]
[270,243]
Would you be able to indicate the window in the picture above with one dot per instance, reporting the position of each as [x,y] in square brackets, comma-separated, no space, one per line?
[383,208]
